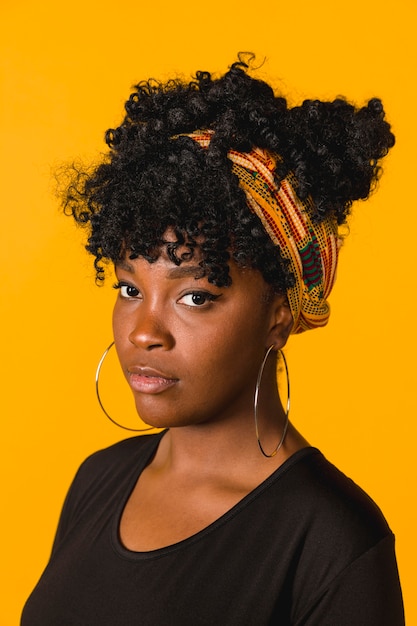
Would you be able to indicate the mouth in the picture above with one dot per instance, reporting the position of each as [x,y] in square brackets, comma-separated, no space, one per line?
[149,381]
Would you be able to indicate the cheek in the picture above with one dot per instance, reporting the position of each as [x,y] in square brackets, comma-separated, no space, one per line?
[228,353]
[117,323]
[121,329]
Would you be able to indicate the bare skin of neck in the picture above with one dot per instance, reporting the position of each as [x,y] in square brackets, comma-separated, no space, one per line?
[198,474]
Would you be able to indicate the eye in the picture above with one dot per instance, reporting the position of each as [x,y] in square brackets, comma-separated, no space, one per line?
[198,298]
[126,290]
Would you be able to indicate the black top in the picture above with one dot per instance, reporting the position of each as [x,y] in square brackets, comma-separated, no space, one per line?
[306,547]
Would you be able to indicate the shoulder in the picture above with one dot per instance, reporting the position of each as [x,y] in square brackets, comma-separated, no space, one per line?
[106,471]
[331,502]
[341,545]
[330,516]
[330,491]
[119,455]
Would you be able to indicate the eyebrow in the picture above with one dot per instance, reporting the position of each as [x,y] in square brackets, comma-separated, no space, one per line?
[186,270]
[176,272]
[124,265]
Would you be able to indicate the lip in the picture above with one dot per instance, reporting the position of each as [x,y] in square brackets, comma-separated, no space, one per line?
[150,381]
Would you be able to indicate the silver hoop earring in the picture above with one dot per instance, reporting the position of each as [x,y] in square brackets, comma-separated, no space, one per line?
[100,363]
[256,399]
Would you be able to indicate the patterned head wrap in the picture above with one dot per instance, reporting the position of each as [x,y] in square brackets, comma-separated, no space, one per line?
[311,248]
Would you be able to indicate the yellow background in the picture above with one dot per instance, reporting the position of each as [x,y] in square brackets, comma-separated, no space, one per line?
[66,71]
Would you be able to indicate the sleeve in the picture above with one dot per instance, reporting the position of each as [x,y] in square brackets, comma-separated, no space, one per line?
[366,593]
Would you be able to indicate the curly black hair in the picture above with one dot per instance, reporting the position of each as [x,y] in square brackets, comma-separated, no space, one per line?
[154,178]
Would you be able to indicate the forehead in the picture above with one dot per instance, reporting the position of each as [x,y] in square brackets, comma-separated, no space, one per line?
[186,269]
[183,259]
[246,280]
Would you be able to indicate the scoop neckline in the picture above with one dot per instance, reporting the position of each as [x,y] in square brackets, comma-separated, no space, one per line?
[133,555]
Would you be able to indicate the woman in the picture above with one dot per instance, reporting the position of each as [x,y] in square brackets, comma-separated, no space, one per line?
[219,207]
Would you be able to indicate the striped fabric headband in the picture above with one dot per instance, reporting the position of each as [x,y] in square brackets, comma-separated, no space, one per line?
[311,248]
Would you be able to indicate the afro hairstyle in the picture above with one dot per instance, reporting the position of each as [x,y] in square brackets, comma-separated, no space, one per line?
[153,179]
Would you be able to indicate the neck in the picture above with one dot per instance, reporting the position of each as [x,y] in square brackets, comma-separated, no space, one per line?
[220,449]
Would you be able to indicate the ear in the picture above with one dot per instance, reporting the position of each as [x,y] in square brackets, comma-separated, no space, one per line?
[281,322]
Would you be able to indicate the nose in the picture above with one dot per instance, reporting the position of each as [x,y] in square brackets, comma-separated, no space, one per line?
[150,331]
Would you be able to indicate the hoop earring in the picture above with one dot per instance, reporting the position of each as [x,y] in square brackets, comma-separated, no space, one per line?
[256,399]
[100,363]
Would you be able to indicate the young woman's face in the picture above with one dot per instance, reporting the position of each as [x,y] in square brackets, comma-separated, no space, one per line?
[189,350]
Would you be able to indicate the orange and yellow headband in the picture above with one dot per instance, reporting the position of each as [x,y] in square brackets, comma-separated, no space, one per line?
[311,247]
